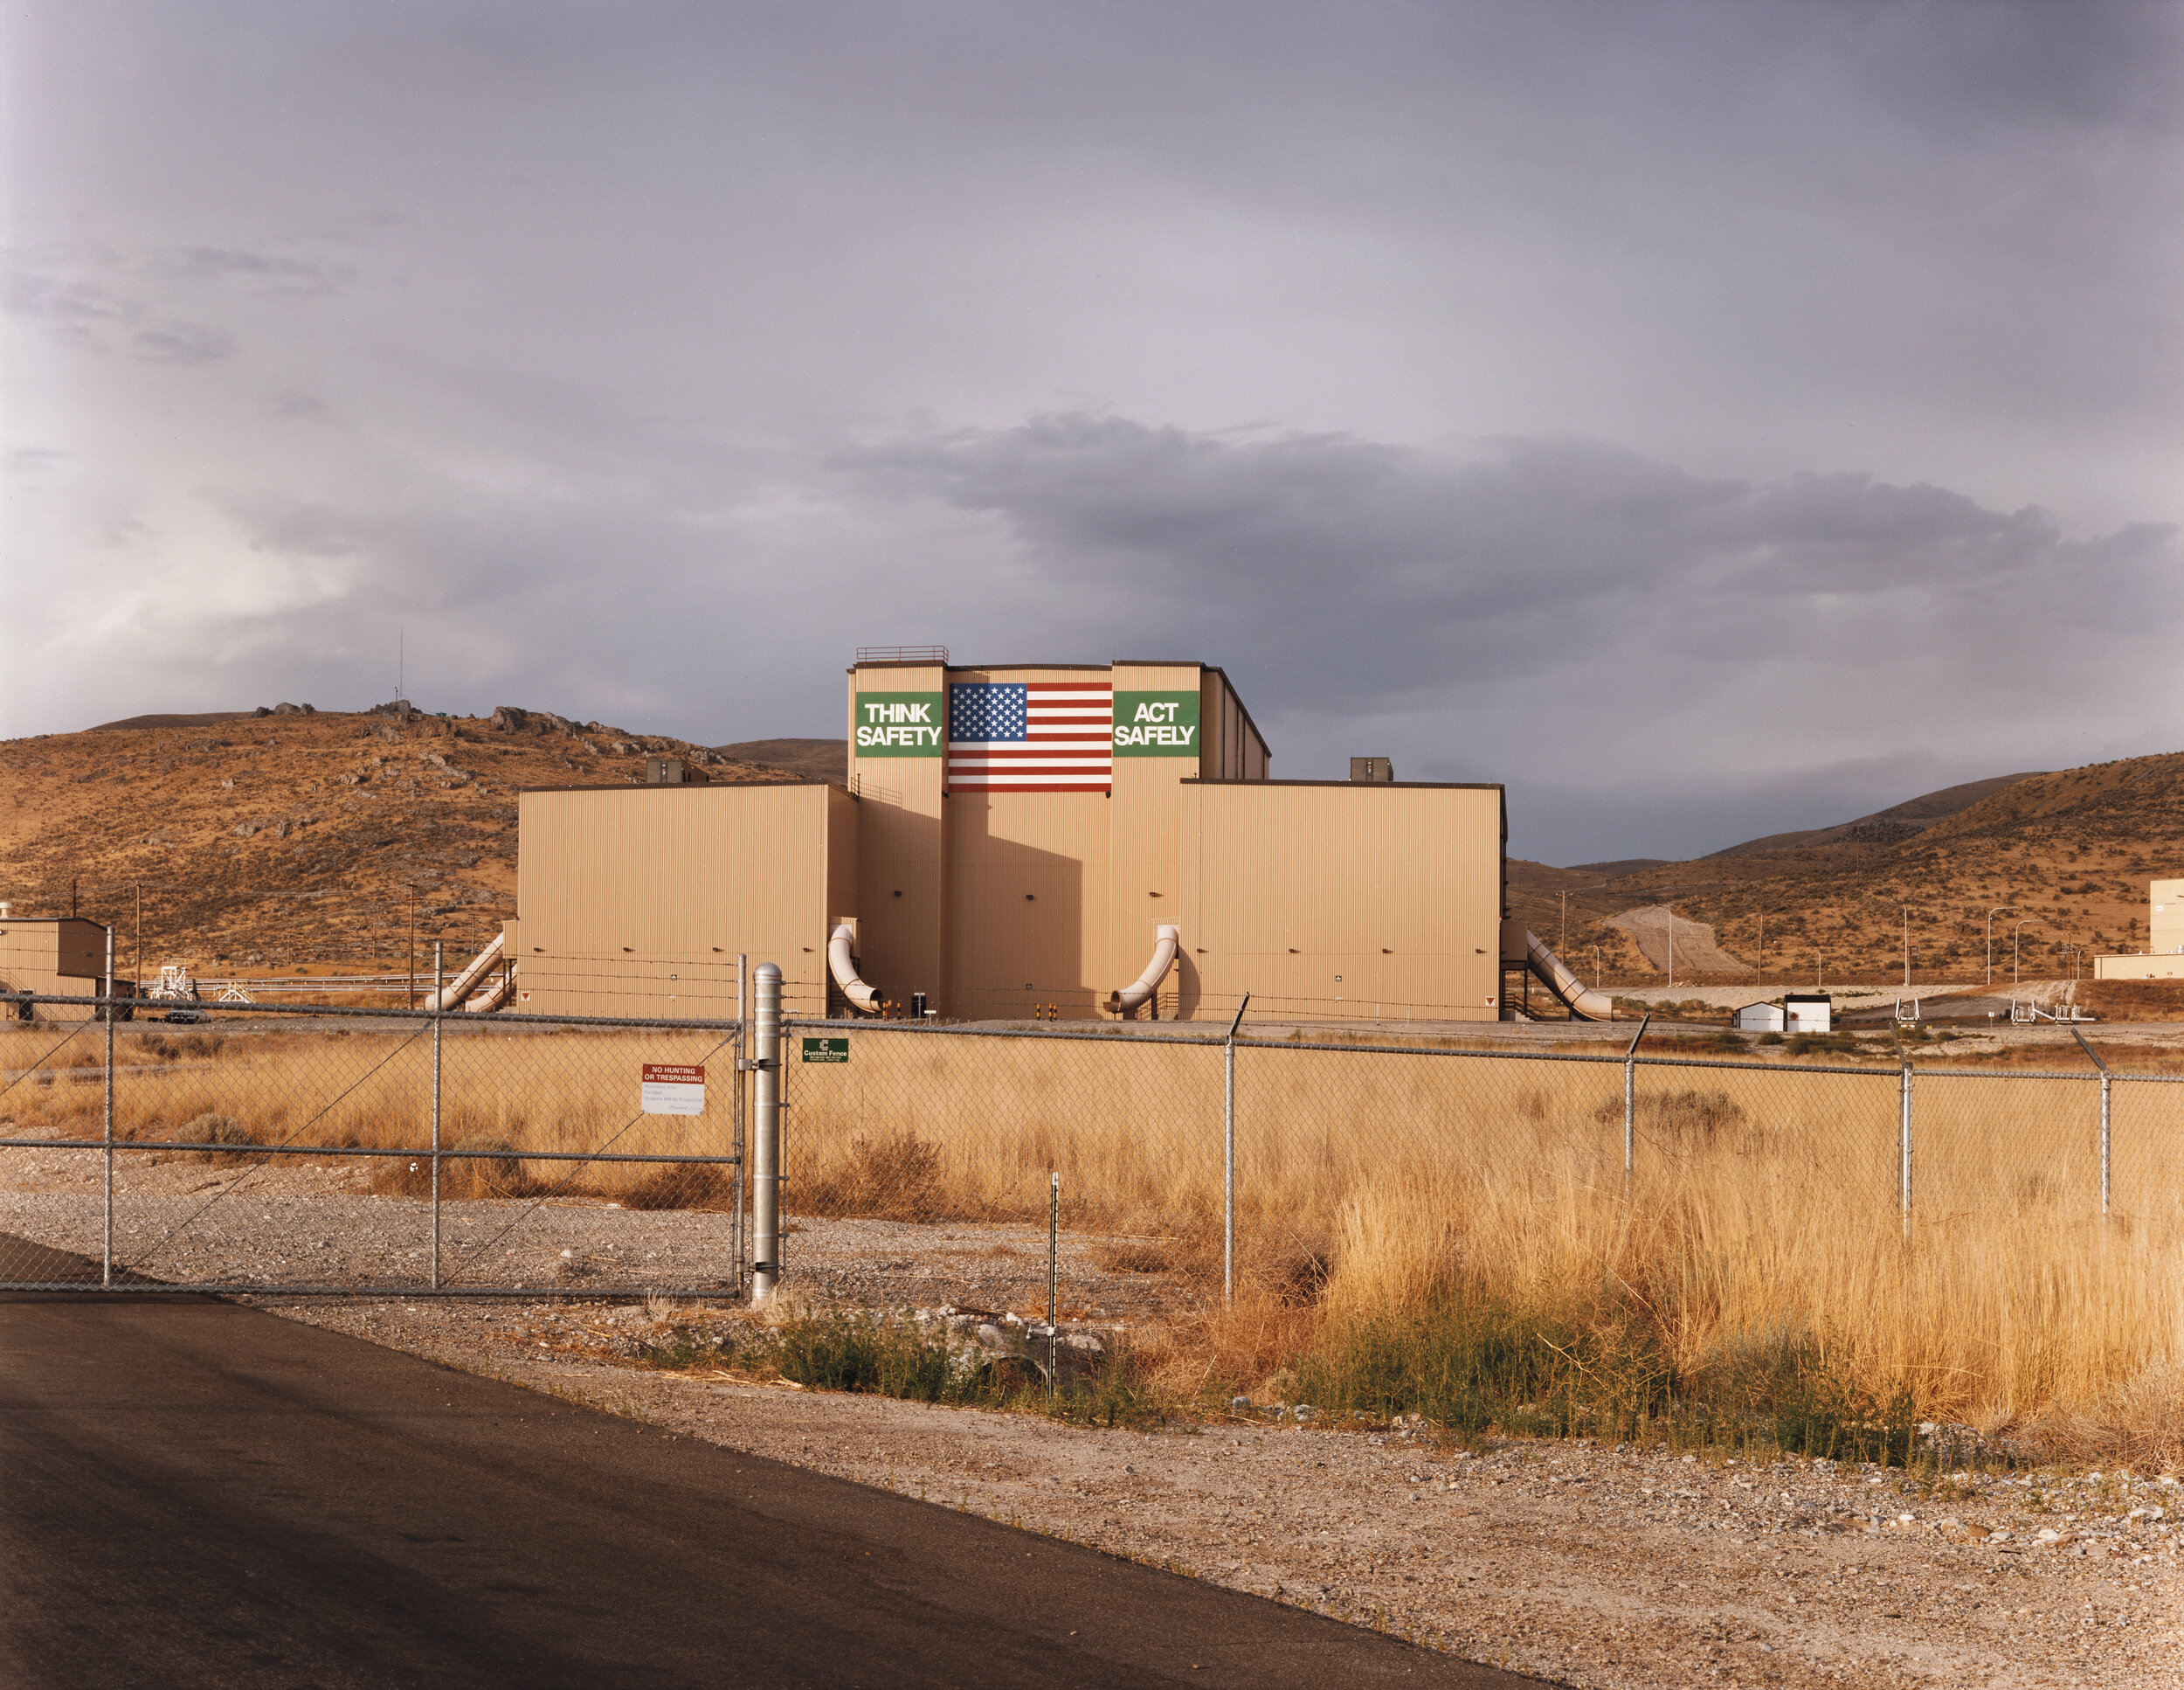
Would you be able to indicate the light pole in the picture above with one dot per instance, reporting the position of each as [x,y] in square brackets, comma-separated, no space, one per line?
[2013,933]
[1906,939]
[1562,940]
[1670,908]
[1999,909]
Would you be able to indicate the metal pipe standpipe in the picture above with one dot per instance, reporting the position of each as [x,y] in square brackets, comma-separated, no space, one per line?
[765,1148]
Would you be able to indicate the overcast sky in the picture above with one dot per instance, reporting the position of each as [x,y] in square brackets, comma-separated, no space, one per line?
[1708,419]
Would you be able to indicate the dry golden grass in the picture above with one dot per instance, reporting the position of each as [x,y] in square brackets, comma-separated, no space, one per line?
[1763,1209]
[569,1092]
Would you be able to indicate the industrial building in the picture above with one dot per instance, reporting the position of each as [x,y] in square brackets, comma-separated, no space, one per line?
[2164,955]
[1068,842]
[50,957]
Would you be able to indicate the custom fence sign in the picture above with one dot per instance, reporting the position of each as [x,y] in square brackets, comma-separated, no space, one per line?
[672,1088]
[826,1049]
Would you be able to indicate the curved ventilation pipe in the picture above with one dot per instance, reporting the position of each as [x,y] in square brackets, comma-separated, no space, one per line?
[1562,979]
[844,969]
[1165,941]
[465,982]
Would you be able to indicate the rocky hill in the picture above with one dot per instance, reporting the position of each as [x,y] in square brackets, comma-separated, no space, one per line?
[2070,852]
[1888,827]
[290,837]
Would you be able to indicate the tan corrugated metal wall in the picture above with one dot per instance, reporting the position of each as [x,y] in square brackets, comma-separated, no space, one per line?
[1341,899]
[635,901]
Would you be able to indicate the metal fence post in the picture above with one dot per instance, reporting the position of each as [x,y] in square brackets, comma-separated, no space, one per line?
[2104,1081]
[1053,1250]
[2095,1056]
[742,1229]
[440,1010]
[765,1159]
[1905,1152]
[106,1253]
[1630,1098]
[1228,1156]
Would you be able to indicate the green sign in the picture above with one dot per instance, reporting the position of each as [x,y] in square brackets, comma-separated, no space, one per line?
[1156,724]
[826,1049]
[901,724]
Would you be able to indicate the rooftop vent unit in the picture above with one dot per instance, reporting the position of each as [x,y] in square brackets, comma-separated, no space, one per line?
[672,771]
[1372,768]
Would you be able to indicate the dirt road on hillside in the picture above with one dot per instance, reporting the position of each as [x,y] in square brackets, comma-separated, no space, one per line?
[1650,927]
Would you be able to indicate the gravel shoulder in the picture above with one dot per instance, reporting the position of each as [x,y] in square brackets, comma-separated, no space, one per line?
[1605,1568]
[1595,1567]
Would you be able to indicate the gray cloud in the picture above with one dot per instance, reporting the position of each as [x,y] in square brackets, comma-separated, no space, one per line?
[264,273]
[87,316]
[1710,416]
[181,343]
[1563,613]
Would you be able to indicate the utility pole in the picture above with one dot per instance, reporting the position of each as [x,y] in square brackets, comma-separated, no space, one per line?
[1907,937]
[412,1002]
[1999,909]
[1562,940]
[1670,908]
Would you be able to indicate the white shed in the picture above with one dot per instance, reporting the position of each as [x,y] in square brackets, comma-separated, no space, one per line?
[1809,1012]
[1759,1018]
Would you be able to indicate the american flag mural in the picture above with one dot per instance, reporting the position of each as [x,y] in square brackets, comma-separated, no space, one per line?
[1031,736]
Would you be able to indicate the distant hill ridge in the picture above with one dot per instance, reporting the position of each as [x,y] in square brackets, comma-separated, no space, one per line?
[2059,860]
[290,836]
[813,760]
[1897,822]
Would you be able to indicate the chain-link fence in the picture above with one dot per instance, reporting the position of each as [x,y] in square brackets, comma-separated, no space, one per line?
[919,1161]
[321,1149]
[244,1148]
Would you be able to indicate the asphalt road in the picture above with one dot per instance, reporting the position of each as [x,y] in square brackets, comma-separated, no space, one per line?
[194,1493]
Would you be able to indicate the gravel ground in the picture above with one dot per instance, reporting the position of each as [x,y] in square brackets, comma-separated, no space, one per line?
[1598,1567]
[294,1222]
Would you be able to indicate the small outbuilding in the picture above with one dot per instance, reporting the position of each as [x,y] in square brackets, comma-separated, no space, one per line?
[50,957]
[1794,1012]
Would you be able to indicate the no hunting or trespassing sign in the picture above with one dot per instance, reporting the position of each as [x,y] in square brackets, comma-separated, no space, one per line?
[671,1088]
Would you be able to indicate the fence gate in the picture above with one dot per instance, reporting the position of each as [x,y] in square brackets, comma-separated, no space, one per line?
[326,1151]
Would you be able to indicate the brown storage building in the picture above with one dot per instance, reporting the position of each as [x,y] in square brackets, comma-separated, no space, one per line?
[1012,841]
[52,956]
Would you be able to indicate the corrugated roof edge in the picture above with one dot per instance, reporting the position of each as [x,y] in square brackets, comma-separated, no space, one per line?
[1362,785]
[693,787]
